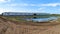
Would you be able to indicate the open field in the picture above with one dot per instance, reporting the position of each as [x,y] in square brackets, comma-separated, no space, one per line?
[13,25]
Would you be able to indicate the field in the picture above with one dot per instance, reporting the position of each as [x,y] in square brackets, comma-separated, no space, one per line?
[15,25]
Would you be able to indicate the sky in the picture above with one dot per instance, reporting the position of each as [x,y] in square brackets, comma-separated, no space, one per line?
[39,6]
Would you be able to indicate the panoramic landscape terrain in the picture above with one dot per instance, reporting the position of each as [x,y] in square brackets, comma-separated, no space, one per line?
[29,16]
[15,25]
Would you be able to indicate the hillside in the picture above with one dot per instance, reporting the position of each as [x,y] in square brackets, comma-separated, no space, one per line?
[13,27]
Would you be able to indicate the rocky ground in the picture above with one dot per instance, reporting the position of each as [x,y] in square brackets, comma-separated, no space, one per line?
[14,27]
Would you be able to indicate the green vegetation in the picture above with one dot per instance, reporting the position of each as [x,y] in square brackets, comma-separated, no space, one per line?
[15,18]
[20,18]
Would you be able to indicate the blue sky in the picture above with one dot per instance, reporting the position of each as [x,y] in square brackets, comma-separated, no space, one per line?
[40,6]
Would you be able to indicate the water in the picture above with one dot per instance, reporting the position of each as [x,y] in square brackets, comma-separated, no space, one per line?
[42,19]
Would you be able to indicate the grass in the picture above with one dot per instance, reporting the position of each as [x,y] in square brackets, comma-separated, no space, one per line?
[15,18]
[23,29]
[20,18]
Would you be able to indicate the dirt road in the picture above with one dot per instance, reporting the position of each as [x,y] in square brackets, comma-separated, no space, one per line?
[13,27]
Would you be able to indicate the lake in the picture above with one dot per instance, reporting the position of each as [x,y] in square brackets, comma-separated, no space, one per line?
[41,19]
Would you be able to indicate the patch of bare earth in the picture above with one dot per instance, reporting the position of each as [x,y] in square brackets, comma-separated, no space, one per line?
[14,27]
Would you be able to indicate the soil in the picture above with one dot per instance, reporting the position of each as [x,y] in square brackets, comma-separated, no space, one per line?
[14,27]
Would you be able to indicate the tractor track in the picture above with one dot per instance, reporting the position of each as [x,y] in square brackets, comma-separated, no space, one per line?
[14,27]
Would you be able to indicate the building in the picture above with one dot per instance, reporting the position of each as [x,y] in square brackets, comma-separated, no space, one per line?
[22,14]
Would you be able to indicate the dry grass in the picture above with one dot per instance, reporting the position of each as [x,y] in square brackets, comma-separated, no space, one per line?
[14,27]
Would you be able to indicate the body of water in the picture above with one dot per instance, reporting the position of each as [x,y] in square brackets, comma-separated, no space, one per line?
[41,19]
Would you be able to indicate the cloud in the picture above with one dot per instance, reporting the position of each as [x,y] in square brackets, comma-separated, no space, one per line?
[2,10]
[17,4]
[11,10]
[51,4]
[39,5]
[6,10]
[4,1]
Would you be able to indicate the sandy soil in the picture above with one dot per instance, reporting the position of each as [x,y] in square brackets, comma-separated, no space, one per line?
[13,27]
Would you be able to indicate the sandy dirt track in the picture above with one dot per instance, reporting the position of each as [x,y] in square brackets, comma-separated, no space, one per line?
[13,27]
